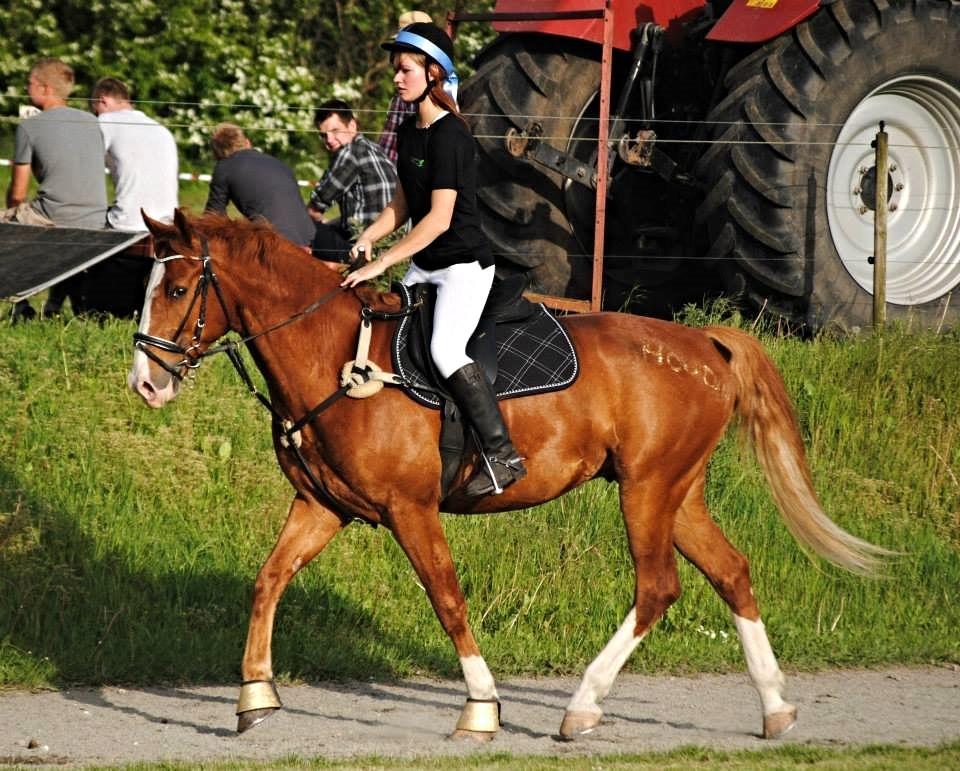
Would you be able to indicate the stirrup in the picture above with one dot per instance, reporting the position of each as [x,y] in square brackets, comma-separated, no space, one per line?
[513,471]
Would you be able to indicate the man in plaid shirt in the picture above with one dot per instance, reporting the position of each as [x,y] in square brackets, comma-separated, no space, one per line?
[360,178]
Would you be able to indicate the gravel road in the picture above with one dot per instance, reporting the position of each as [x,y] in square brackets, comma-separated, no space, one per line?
[412,718]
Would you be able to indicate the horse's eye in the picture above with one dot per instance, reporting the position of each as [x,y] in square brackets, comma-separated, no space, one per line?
[176,292]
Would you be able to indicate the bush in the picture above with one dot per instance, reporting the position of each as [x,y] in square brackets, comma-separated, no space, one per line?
[193,63]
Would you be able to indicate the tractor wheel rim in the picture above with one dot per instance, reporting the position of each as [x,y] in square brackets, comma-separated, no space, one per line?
[922,120]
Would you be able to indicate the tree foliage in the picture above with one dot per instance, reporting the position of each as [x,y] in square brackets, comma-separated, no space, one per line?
[264,64]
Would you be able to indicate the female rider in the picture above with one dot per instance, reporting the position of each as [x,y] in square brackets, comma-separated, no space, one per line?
[436,166]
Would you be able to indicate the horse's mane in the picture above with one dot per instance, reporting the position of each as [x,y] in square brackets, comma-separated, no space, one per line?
[251,238]
[260,241]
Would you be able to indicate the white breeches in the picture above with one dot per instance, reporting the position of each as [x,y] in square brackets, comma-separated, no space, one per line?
[462,291]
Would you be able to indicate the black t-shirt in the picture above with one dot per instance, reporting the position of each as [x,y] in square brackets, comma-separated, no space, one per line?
[443,157]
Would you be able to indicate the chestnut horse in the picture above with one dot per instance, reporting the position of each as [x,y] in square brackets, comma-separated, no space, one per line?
[651,403]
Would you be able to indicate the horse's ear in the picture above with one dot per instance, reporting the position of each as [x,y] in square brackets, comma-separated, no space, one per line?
[183,226]
[158,229]
[180,232]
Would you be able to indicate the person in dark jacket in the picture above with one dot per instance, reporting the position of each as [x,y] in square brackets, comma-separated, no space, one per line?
[260,186]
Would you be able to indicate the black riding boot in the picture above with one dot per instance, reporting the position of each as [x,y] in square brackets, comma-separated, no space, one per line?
[500,466]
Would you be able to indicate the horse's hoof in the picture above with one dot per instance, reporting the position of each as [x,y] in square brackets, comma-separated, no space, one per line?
[247,720]
[779,723]
[478,737]
[579,723]
[258,700]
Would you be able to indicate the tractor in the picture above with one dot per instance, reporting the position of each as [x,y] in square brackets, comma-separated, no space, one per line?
[740,152]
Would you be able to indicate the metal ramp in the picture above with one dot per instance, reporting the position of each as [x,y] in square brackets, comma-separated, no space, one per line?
[100,271]
[35,258]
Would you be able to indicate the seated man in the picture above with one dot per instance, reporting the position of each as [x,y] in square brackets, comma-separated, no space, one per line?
[259,185]
[141,156]
[361,179]
[64,149]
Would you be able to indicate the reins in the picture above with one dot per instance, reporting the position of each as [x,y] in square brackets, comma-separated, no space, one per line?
[192,355]
[356,373]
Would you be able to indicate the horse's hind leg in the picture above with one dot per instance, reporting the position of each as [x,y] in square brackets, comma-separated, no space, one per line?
[423,541]
[309,527]
[699,539]
[647,515]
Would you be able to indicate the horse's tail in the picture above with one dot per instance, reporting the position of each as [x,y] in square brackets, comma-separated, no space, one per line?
[767,419]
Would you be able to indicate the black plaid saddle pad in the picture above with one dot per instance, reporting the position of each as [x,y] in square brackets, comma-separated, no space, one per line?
[534,355]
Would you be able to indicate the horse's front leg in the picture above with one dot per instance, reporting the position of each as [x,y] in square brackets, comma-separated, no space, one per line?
[309,527]
[423,541]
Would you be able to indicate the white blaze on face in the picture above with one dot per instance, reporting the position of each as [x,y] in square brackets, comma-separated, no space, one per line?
[140,371]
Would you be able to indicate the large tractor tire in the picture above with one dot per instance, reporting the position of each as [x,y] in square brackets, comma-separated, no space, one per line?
[791,175]
[522,79]
[542,222]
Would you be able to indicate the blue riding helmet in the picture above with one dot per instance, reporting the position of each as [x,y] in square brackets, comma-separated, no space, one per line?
[424,38]
[433,42]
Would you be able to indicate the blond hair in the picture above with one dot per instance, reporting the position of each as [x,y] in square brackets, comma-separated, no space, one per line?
[227,139]
[412,17]
[56,74]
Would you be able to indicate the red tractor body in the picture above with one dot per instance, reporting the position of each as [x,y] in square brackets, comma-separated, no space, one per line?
[744,21]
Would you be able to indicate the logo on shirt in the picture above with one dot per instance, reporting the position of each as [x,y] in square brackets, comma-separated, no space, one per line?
[418,162]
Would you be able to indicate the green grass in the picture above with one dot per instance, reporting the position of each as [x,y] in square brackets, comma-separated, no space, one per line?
[789,756]
[129,538]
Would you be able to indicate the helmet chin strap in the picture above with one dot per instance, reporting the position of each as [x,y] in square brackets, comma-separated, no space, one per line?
[449,88]
[426,91]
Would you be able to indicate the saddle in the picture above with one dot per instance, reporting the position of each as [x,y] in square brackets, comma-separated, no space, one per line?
[521,347]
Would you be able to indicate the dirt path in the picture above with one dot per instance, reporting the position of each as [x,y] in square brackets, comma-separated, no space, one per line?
[114,725]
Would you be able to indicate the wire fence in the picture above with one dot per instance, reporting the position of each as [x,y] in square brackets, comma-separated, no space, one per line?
[517,119]
[704,134]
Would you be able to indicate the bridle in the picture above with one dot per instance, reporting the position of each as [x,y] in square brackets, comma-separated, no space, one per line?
[192,355]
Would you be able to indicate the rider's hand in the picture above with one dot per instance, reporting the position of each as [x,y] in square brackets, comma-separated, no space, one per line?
[368,271]
[361,244]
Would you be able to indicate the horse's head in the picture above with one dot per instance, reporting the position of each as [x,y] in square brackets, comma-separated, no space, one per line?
[183,311]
